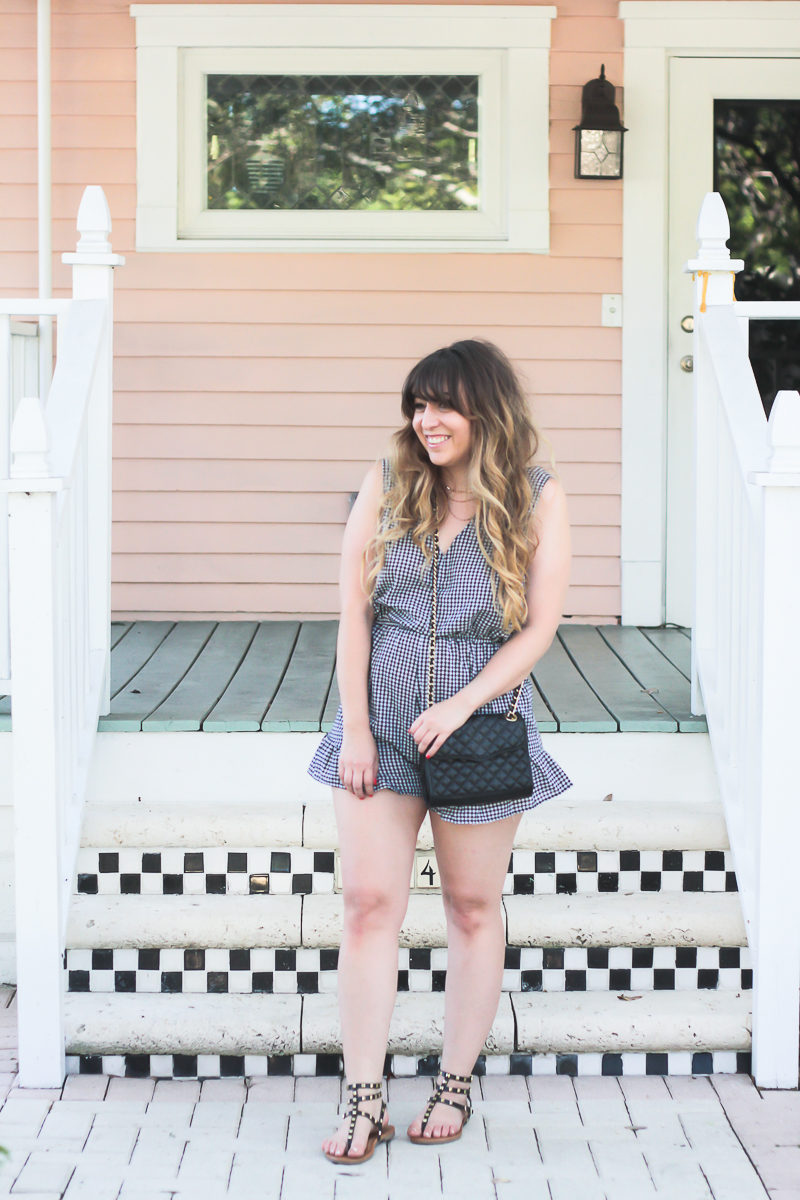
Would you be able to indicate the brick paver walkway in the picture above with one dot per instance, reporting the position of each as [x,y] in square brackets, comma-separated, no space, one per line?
[559,1138]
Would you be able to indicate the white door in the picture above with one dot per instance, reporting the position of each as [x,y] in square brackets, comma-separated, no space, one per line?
[695,85]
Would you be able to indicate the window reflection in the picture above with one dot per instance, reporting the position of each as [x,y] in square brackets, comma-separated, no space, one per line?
[342,142]
[757,172]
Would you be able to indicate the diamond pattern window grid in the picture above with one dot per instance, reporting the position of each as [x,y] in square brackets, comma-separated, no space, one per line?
[335,142]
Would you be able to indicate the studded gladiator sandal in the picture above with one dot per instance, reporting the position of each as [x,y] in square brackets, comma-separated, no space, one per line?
[459,1085]
[363,1092]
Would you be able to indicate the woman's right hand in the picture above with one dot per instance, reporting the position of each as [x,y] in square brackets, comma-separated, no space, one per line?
[358,762]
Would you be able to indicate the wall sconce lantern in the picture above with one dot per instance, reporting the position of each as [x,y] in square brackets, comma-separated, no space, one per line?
[598,138]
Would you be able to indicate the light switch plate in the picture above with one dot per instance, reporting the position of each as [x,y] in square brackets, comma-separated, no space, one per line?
[611,310]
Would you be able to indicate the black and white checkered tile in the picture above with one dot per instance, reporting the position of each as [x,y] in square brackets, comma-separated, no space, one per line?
[557,872]
[214,871]
[216,1066]
[300,871]
[306,971]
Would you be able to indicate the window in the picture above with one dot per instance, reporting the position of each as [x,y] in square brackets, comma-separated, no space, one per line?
[319,127]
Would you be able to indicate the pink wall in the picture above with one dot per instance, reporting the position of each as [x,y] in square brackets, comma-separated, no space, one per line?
[252,390]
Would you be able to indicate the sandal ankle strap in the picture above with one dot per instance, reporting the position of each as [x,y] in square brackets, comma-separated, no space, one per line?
[456,1083]
[366,1091]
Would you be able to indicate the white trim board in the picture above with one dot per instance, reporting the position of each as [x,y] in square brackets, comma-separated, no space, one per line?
[655,32]
[507,46]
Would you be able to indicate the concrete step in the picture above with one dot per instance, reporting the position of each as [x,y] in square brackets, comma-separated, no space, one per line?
[559,824]
[261,1025]
[256,769]
[604,919]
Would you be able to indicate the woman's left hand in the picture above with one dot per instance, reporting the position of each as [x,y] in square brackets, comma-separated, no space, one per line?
[433,726]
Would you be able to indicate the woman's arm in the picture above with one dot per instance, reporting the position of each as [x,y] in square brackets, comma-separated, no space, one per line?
[548,578]
[358,759]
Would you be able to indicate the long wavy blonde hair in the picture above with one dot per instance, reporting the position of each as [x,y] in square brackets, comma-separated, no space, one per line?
[475,378]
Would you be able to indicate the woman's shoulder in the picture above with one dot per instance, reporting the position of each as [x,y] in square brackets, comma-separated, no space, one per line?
[538,476]
[536,472]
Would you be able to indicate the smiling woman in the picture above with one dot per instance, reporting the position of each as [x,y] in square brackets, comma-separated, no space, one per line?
[461,474]
[446,435]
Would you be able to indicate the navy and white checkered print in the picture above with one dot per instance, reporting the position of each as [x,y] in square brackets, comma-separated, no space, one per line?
[469,631]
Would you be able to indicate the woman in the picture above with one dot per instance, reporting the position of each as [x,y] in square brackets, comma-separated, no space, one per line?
[460,465]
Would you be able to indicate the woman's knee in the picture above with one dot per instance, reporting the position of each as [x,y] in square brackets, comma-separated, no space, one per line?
[471,913]
[372,909]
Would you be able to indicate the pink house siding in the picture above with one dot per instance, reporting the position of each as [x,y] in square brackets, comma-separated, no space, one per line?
[253,389]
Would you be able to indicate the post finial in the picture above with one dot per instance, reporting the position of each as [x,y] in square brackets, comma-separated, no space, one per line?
[784,432]
[713,231]
[713,255]
[94,221]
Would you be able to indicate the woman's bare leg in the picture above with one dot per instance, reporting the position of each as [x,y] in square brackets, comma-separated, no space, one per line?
[377,839]
[473,861]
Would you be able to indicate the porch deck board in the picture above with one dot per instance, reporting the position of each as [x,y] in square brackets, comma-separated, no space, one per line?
[243,705]
[191,701]
[158,677]
[674,644]
[279,676]
[573,704]
[331,704]
[131,650]
[656,673]
[634,709]
[300,702]
[118,631]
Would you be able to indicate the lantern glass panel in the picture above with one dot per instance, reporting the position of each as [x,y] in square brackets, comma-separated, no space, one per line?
[601,153]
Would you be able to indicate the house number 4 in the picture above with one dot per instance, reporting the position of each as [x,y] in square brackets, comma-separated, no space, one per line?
[426,874]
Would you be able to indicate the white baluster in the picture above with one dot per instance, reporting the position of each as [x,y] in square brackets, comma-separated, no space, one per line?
[5,461]
[93,279]
[29,442]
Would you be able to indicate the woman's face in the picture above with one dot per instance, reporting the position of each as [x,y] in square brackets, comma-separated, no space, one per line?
[444,433]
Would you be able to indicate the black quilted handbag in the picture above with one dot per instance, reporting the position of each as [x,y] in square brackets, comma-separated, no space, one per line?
[485,759]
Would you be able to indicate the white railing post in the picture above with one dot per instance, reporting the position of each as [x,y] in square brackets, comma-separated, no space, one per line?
[36,779]
[713,270]
[93,279]
[745,640]
[776,963]
[59,501]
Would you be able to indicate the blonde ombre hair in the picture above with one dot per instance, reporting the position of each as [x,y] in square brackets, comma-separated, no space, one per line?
[476,379]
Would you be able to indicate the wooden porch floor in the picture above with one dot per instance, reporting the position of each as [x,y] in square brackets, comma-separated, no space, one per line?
[276,676]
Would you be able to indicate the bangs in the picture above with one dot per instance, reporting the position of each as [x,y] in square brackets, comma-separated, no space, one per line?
[439,378]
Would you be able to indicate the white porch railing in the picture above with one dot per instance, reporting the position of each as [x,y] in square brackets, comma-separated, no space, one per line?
[746,632]
[19,367]
[55,466]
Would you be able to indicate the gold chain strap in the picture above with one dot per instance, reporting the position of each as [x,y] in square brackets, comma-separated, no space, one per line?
[511,715]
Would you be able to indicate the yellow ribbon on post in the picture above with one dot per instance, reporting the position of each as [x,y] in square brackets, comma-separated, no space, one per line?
[704,276]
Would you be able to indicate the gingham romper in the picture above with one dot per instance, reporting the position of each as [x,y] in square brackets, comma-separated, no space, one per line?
[468,631]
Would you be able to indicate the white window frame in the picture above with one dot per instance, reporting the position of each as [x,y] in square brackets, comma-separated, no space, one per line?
[506,46]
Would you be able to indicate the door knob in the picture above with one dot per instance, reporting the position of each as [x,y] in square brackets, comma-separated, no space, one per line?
[687,363]
[687,323]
